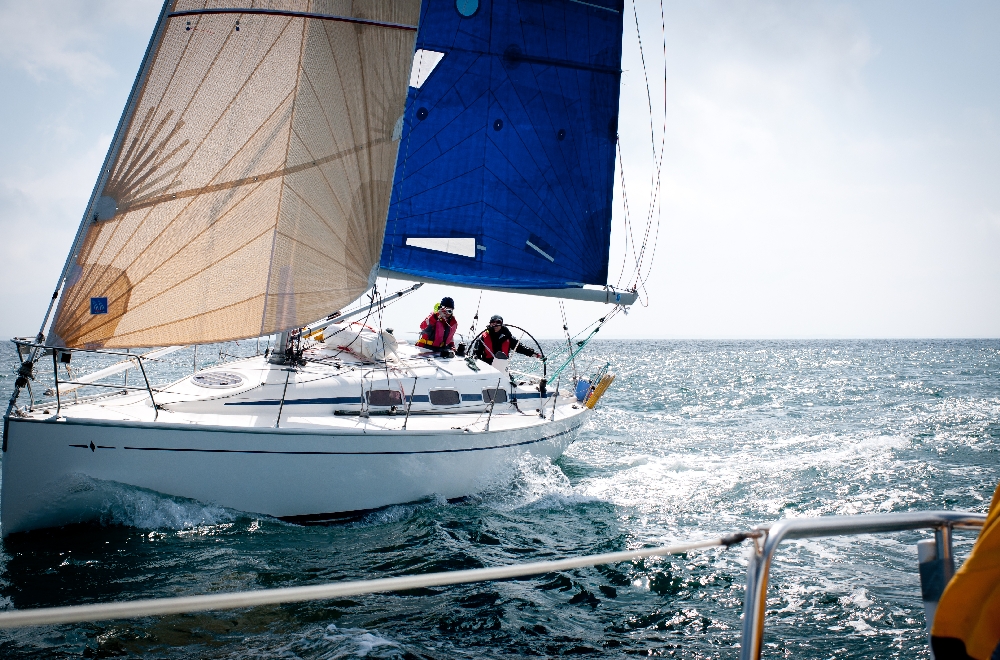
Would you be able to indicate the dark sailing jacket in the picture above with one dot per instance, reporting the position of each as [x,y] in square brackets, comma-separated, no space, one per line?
[490,343]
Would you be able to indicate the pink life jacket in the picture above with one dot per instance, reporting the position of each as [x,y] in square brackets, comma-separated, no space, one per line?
[435,333]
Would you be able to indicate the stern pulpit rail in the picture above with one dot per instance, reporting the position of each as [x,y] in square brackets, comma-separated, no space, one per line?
[768,537]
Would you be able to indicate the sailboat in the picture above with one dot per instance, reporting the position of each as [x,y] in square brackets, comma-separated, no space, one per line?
[272,161]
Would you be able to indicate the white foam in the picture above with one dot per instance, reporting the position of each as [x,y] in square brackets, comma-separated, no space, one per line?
[78,498]
[143,509]
[398,512]
[531,481]
[333,643]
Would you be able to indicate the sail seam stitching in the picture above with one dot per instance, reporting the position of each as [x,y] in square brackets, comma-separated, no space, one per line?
[136,228]
[288,146]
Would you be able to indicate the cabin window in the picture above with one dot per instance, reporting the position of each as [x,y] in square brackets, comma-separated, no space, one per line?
[385,398]
[217,379]
[445,397]
[495,395]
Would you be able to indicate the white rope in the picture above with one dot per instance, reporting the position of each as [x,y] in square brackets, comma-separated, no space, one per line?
[159,606]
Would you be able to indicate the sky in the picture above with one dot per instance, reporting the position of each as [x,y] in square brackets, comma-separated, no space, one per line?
[830,169]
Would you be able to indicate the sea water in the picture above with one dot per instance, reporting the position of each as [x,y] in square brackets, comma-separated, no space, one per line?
[693,440]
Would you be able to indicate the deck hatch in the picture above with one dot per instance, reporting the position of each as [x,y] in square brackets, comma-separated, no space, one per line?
[217,379]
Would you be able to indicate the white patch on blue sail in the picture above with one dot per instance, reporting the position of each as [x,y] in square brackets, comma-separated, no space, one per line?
[424,63]
[463,247]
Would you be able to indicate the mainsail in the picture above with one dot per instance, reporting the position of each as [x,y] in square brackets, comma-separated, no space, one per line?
[247,190]
[507,159]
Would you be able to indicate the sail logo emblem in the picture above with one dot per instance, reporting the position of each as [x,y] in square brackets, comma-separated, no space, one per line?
[99,305]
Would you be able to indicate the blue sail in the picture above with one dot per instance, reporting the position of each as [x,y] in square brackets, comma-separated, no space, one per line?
[506,161]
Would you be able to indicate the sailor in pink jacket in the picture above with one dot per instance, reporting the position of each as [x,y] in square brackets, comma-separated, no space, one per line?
[438,329]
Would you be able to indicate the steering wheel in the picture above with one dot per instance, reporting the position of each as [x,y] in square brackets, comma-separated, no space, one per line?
[479,339]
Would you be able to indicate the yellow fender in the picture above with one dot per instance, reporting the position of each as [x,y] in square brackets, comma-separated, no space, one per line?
[599,390]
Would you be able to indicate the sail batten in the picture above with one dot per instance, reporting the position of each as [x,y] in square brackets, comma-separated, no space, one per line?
[255,169]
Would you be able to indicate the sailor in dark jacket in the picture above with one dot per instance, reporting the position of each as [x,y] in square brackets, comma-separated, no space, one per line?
[497,342]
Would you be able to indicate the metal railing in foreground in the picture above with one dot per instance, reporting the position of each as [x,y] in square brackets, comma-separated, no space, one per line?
[157,606]
[766,539]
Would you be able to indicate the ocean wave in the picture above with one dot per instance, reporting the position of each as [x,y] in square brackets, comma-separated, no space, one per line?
[333,643]
[143,509]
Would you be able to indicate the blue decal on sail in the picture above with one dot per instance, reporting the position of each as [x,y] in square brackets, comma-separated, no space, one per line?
[510,140]
[99,305]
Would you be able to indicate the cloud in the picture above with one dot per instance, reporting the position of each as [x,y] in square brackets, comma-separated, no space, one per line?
[801,196]
[39,214]
[65,39]
[65,68]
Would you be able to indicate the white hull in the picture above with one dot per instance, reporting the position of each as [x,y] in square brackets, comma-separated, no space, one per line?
[311,468]
[282,473]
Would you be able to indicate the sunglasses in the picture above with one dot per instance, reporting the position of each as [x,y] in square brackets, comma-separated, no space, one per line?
[496,322]
[446,310]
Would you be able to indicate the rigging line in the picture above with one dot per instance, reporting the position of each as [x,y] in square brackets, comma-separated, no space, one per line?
[472,326]
[337,332]
[649,97]
[363,323]
[621,171]
[628,223]
[653,210]
[569,343]
[657,164]
[656,238]
[288,374]
[381,338]
[654,207]
[663,33]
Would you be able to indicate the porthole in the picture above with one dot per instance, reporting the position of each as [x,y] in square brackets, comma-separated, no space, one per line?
[495,395]
[467,8]
[445,397]
[385,398]
[217,379]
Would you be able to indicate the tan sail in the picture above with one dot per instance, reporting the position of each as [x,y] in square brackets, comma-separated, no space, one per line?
[250,191]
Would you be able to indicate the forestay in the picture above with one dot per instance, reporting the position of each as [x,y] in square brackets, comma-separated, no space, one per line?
[249,186]
[506,164]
